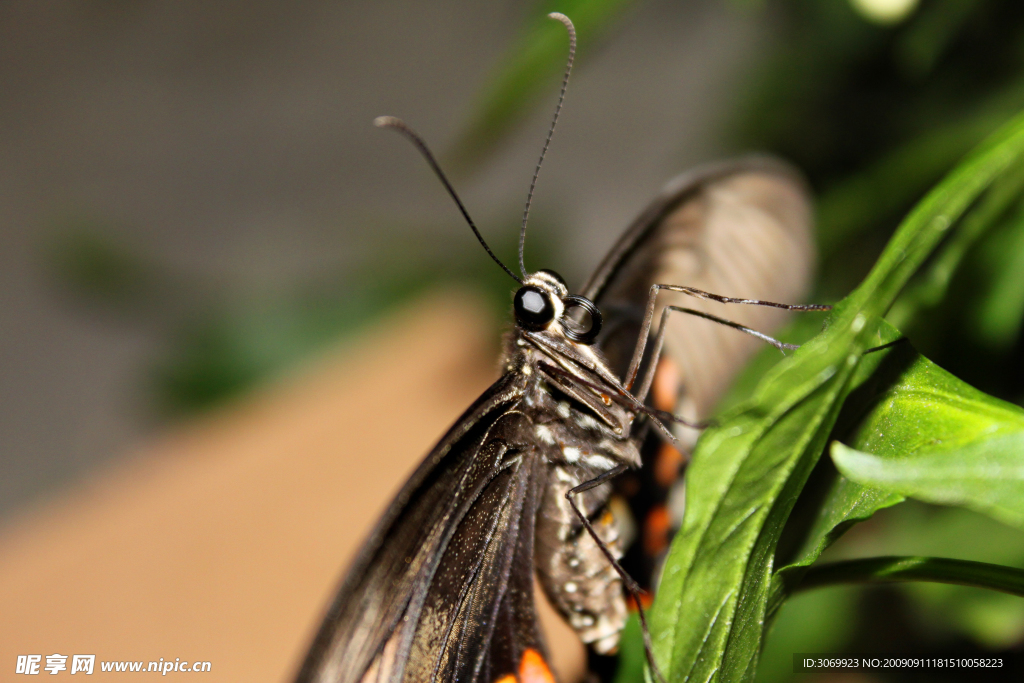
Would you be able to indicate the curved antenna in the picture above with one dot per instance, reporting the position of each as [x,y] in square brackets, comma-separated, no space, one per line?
[400,126]
[551,131]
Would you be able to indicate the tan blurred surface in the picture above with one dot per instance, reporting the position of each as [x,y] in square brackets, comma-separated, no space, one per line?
[224,541]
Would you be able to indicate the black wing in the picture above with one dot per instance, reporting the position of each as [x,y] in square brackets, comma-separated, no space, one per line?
[442,590]
[740,229]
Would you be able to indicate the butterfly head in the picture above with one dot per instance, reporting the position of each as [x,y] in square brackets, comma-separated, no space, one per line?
[544,302]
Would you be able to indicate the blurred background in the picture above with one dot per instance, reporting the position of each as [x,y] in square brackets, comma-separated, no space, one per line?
[194,195]
[194,206]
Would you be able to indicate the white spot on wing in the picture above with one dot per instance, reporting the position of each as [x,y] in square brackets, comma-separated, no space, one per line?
[543,433]
[571,454]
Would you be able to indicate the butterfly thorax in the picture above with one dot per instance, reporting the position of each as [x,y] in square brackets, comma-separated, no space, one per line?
[581,429]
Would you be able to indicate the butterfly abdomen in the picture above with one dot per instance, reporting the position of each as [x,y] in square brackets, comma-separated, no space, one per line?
[573,570]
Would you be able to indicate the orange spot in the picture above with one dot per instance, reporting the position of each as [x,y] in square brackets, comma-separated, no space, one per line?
[507,679]
[607,399]
[665,390]
[656,530]
[646,599]
[666,465]
[607,518]
[533,668]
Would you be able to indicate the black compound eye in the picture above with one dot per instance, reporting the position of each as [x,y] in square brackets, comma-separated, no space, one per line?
[533,307]
[582,319]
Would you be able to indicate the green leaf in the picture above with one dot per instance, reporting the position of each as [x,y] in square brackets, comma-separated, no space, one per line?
[922,408]
[933,569]
[986,476]
[745,477]
[930,220]
[926,530]
[531,66]
[931,286]
[1001,309]
[918,407]
[993,620]
[846,503]
[710,609]
[632,657]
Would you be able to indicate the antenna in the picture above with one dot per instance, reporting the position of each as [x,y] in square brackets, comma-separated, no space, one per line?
[400,126]
[551,131]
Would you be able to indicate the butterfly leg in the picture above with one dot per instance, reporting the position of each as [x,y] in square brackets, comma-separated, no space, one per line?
[659,341]
[658,417]
[627,581]
[701,294]
[645,328]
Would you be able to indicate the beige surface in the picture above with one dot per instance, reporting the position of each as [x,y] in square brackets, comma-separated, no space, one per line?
[223,541]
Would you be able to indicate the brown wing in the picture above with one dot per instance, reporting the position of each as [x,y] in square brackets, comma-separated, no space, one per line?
[741,229]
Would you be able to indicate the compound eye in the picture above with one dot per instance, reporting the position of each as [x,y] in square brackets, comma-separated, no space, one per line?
[533,308]
[582,319]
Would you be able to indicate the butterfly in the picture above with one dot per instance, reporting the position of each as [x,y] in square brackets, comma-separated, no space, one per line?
[521,485]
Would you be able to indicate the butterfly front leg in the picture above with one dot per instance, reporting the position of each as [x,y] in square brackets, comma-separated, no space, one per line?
[645,328]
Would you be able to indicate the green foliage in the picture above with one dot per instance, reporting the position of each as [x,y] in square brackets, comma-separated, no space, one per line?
[940,570]
[912,404]
[748,470]
[875,116]
[219,352]
[813,621]
[985,474]
[1001,308]
[928,617]
[92,265]
[632,658]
